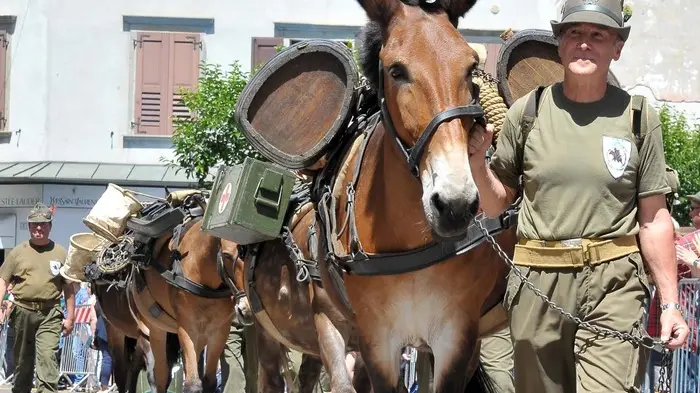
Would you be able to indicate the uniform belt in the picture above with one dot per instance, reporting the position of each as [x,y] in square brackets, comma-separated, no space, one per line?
[573,252]
[36,305]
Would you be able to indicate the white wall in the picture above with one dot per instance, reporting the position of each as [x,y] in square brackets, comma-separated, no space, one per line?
[71,77]
[73,203]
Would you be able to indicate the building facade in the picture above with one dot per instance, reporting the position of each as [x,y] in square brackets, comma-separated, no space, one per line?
[88,89]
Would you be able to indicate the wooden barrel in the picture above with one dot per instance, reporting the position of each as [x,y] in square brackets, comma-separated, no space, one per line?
[296,105]
[530,59]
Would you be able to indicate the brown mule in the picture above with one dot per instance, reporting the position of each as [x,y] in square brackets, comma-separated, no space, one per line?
[292,310]
[127,339]
[390,214]
[170,312]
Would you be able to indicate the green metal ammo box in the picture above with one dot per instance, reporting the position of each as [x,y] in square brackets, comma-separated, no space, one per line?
[249,202]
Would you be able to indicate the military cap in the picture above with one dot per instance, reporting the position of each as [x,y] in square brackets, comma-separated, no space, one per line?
[40,213]
[600,12]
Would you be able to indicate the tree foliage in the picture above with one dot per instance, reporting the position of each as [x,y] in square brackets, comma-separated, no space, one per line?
[210,136]
[682,150]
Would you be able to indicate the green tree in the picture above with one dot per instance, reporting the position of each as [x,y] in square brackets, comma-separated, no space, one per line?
[682,150]
[210,136]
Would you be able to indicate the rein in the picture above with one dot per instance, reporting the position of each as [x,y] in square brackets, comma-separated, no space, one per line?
[359,262]
[413,154]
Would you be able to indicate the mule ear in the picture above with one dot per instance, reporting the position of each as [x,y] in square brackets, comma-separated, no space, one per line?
[457,9]
[380,11]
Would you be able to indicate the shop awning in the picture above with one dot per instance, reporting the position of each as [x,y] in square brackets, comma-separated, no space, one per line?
[88,173]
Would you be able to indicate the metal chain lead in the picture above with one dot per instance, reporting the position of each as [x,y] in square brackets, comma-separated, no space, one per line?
[645,342]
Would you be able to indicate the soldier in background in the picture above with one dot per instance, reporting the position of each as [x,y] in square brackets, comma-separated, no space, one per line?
[33,268]
[239,361]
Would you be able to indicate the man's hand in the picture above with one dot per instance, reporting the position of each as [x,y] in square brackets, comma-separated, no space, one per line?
[686,256]
[480,141]
[673,326]
[67,326]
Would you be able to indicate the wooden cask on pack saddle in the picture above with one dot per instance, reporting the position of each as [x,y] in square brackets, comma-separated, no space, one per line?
[298,104]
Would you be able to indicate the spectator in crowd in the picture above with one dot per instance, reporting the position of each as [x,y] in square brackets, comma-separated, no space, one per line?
[33,267]
[100,343]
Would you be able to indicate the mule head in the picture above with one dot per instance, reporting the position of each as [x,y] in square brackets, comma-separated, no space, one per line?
[414,56]
[234,269]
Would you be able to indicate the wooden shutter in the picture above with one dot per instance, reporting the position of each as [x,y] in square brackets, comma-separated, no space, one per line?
[264,49]
[492,58]
[152,59]
[183,72]
[4,43]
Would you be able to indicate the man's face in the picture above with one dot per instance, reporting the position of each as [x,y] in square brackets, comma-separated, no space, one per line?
[695,214]
[588,49]
[39,230]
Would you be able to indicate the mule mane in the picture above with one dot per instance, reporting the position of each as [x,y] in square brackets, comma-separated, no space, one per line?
[370,37]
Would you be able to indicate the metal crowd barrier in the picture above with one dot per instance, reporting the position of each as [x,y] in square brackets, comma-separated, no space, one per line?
[686,362]
[78,359]
[5,377]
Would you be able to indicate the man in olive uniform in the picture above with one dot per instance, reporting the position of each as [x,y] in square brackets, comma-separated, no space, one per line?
[593,197]
[33,268]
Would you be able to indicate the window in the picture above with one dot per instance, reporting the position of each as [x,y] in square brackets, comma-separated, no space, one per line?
[3,78]
[165,63]
[265,48]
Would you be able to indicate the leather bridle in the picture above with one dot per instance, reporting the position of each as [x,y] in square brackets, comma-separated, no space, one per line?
[413,154]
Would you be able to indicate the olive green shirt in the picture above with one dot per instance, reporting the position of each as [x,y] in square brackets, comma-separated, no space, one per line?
[582,173]
[34,271]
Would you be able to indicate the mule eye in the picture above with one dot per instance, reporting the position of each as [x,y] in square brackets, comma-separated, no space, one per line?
[399,72]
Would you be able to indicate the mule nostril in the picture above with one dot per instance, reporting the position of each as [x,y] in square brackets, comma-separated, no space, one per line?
[438,203]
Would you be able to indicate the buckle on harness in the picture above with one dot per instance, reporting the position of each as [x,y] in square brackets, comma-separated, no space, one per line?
[509,217]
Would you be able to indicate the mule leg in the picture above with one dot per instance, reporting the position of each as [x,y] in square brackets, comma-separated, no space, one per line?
[360,377]
[190,359]
[309,373]
[161,369]
[269,364]
[452,361]
[332,345]
[382,362]
[215,346]
[142,359]
[120,358]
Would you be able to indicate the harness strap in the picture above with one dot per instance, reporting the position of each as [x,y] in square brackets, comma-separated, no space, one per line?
[416,259]
[361,263]
[176,277]
[255,303]
[144,302]
[228,280]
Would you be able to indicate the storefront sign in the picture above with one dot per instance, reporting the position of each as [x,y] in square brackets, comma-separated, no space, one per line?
[72,196]
[15,195]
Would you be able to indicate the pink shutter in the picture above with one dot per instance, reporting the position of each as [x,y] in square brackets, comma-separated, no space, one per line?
[264,49]
[492,58]
[3,78]
[183,72]
[152,55]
